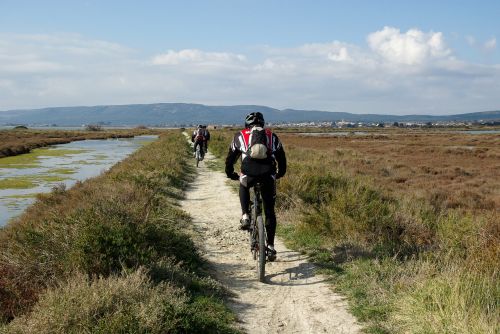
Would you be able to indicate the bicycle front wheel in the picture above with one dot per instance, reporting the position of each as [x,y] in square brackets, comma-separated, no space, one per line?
[261,266]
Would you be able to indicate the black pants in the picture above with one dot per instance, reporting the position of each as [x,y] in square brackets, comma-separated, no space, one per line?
[199,142]
[268,192]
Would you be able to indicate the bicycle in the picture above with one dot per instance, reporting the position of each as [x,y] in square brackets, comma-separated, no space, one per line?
[257,232]
[199,155]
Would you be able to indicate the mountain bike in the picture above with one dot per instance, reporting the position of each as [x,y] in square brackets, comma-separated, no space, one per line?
[200,153]
[257,232]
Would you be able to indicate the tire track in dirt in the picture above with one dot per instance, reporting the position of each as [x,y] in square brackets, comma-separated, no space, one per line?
[293,299]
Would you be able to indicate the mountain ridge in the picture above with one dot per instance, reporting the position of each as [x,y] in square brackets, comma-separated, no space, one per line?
[190,113]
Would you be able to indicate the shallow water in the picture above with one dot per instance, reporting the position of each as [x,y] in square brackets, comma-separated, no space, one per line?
[480,132]
[87,158]
[333,134]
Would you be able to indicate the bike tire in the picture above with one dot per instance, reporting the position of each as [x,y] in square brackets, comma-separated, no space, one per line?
[261,266]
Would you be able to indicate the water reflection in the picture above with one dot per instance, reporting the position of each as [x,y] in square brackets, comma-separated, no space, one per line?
[86,159]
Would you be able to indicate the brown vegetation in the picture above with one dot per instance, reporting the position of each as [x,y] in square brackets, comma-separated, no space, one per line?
[449,170]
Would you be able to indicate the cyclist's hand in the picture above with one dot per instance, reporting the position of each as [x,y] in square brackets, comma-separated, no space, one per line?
[234,176]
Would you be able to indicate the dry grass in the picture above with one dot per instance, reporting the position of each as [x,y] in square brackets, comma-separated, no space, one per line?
[449,170]
[126,303]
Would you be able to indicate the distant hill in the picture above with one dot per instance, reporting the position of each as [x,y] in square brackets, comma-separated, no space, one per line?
[172,114]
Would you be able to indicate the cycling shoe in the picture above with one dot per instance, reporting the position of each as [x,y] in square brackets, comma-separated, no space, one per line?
[245,224]
[271,253]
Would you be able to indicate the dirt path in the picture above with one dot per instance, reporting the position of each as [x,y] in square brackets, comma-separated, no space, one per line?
[293,300]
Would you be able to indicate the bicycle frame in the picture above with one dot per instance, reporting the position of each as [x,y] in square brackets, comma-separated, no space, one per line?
[199,154]
[258,244]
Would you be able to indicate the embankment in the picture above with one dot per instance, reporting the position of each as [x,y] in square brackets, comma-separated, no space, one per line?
[406,264]
[112,254]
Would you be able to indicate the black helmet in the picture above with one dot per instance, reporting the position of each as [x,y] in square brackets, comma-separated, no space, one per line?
[254,118]
[200,126]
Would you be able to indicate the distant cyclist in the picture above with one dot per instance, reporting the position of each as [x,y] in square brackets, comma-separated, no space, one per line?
[260,150]
[207,138]
[198,138]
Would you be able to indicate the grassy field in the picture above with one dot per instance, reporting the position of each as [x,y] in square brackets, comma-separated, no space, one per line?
[113,254]
[19,141]
[405,223]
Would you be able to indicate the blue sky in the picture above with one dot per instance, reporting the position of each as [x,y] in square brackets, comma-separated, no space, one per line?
[395,57]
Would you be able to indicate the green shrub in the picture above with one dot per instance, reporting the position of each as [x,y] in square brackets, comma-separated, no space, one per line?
[117,304]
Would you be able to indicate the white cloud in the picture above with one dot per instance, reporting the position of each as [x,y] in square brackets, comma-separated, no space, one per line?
[412,48]
[341,55]
[395,72]
[471,40]
[490,44]
[198,57]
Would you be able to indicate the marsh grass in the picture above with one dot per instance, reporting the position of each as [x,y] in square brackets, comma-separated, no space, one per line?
[31,181]
[32,159]
[17,183]
[123,233]
[65,171]
[406,225]
[22,196]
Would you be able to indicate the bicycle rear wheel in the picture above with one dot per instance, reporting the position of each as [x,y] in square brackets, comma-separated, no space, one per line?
[261,265]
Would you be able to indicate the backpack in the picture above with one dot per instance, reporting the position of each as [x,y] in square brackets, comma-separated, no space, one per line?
[199,135]
[258,144]
[259,160]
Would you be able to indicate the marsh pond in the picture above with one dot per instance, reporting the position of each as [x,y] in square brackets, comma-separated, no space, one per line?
[24,176]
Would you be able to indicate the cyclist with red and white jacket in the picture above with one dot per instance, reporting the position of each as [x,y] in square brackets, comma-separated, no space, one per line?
[198,137]
[265,170]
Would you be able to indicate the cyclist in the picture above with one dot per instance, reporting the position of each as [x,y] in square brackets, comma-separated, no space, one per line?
[207,138]
[257,168]
[198,138]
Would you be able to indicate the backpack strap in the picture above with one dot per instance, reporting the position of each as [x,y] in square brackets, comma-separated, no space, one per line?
[245,135]
[270,143]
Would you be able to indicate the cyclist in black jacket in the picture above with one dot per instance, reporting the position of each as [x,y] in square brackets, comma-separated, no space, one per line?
[264,171]
[198,137]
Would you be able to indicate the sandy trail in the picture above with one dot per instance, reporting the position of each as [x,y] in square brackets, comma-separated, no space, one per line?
[293,299]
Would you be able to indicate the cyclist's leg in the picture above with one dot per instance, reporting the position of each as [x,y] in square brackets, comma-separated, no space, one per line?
[202,149]
[246,182]
[245,200]
[269,199]
[196,143]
